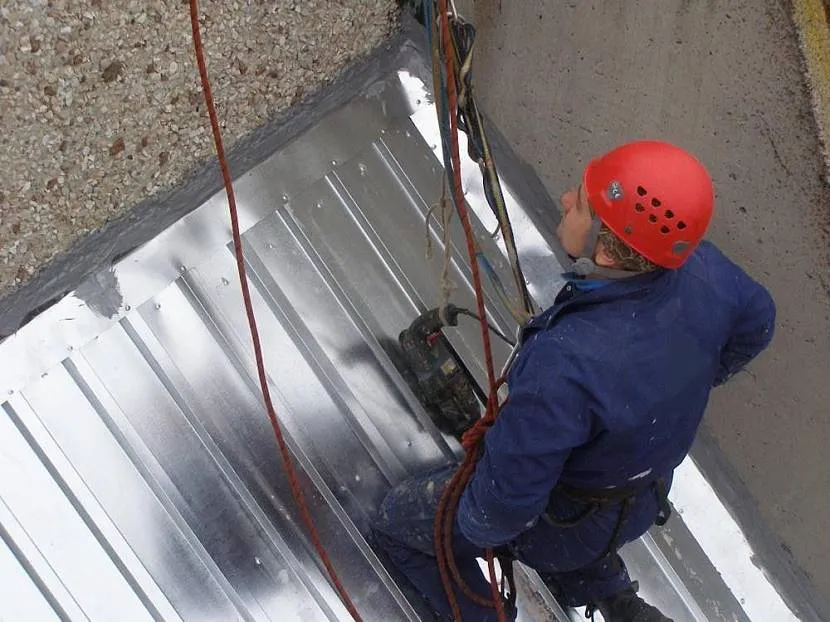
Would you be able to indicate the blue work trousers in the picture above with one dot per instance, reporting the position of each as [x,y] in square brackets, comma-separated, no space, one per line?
[573,561]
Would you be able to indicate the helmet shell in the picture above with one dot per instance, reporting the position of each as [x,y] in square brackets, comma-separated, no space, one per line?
[654,196]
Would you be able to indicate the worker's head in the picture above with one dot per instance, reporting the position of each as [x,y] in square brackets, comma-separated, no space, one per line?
[644,204]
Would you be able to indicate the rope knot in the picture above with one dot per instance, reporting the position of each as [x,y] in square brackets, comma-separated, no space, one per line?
[473,437]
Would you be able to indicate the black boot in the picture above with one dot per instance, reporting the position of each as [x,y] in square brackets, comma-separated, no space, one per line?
[626,606]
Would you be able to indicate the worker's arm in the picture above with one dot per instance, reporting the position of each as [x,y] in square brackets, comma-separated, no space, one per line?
[752,331]
[546,416]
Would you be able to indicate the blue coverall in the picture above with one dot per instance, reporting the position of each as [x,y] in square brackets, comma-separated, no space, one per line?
[607,391]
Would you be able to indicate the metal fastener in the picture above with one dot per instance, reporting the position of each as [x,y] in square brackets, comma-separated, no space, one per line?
[615,191]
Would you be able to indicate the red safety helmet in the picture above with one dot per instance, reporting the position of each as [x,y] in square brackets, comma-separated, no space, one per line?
[654,196]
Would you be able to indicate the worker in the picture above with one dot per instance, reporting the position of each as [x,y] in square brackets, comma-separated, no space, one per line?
[606,394]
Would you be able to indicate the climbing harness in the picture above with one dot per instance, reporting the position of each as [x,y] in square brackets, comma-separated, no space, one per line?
[623,497]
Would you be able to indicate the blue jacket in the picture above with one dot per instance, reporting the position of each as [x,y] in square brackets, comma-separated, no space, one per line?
[610,385]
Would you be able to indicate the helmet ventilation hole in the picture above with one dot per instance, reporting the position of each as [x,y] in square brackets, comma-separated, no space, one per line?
[655,203]
[652,218]
[669,214]
[681,225]
[664,229]
[642,191]
[640,207]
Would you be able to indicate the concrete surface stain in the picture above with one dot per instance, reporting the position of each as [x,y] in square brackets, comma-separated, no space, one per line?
[812,18]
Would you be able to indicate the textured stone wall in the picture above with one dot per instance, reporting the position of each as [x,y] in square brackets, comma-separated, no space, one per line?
[100,104]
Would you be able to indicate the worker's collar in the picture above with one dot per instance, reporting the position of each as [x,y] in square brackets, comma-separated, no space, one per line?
[587,285]
[580,291]
[587,282]
[597,289]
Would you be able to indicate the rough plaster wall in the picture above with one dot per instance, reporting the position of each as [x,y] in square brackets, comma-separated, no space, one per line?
[100,104]
[566,80]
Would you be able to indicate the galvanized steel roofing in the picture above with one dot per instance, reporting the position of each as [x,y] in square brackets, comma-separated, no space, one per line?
[139,478]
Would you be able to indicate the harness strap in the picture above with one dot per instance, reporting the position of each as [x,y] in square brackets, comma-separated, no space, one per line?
[664,507]
[613,543]
[603,496]
[508,576]
[625,496]
[555,522]
[585,264]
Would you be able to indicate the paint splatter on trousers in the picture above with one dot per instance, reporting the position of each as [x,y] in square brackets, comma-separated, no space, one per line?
[571,560]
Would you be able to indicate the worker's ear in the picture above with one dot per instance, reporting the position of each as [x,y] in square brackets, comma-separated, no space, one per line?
[602,258]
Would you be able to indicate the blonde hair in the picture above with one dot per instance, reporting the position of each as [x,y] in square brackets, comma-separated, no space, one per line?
[625,257]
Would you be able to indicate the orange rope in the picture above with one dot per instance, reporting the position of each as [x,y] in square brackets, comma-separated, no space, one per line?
[296,490]
[447,506]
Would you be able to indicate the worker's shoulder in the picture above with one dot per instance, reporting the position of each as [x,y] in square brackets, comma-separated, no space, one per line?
[710,272]
[578,336]
[710,261]
[558,346]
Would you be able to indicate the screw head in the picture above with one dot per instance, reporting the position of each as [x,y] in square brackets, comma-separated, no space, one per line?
[615,191]
[679,247]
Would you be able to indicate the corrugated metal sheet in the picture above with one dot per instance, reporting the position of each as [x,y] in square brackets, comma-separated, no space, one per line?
[139,478]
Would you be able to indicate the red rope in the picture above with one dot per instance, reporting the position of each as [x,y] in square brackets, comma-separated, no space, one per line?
[447,506]
[296,490]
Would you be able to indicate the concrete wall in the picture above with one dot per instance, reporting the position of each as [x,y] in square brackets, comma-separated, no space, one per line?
[566,80]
